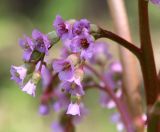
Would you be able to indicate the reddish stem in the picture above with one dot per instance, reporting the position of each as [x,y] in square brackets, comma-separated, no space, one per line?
[147,58]
[148,67]
[120,105]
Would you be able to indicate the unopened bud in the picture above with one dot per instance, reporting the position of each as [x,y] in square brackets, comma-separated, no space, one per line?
[94,28]
[74,58]
[79,73]
[53,37]
[71,21]
[94,31]
[73,99]
[36,77]
[76,99]
[30,67]
[35,56]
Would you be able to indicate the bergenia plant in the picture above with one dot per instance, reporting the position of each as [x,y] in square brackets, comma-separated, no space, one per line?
[84,64]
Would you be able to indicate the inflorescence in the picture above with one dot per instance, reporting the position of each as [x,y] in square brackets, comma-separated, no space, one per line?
[65,80]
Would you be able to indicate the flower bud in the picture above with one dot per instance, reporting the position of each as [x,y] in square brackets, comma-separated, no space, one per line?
[35,56]
[73,98]
[76,98]
[94,31]
[74,58]
[71,21]
[30,67]
[79,74]
[94,28]
[53,37]
[73,109]
[36,77]
[18,74]
[30,86]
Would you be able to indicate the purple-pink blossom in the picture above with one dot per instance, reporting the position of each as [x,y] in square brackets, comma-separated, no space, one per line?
[64,68]
[41,41]
[116,118]
[101,54]
[84,45]
[80,27]
[73,109]
[116,67]
[106,101]
[29,88]
[46,76]
[72,88]
[28,46]
[62,78]
[62,27]
[43,109]
[57,127]
[18,74]
[62,101]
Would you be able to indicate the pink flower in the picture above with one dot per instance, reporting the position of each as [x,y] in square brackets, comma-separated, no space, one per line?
[18,74]
[73,109]
[29,88]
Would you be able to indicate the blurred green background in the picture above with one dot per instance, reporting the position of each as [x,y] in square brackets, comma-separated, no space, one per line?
[18,111]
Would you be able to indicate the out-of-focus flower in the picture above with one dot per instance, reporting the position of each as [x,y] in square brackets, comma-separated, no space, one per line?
[46,76]
[73,109]
[77,119]
[43,109]
[115,118]
[106,101]
[116,67]
[61,100]
[101,54]
[56,127]
[114,80]
[157,2]
[113,75]
[65,52]
[18,74]
[110,80]
[64,68]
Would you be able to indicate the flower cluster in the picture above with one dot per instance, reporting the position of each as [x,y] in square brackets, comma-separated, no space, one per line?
[65,79]
[39,43]
[27,76]
[113,76]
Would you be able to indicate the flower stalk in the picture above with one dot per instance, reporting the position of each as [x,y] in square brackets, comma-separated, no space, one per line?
[147,57]
[148,64]
[116,38]
[131,80]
